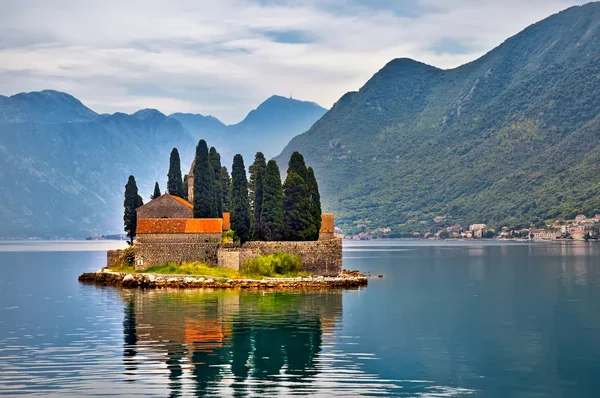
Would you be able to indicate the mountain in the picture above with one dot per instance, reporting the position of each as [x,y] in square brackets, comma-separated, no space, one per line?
[45,106]
[63,167]
[267,128]
[509,139]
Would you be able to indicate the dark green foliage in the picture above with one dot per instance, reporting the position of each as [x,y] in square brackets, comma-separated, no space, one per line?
[156,193]
[297,165]
[297,218]
[215,161]
[271,226]
[174,183]
[240,204]
[255,189]
[184,187]
[315,201]
[225,188]
[131,202]
[511,138]
[205,205]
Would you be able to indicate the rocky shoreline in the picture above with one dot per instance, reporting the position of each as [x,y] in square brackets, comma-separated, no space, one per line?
[347,279]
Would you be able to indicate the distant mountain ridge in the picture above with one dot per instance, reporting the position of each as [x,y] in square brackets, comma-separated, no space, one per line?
[63,166]
[274,122]
[508,139]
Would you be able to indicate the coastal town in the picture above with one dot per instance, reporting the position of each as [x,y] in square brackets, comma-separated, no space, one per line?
[581,228]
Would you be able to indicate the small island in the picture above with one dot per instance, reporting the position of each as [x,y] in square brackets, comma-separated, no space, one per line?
[211,230]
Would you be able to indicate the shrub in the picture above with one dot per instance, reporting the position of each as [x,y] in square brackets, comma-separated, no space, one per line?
[229,236]
[128,257]
[274,264]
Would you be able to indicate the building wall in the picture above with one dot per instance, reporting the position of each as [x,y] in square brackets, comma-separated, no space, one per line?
[178,238]
[165,207]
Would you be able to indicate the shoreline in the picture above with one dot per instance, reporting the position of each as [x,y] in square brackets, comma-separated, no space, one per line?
[158,281]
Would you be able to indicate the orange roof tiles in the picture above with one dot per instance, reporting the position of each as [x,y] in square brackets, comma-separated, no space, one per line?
[180,225]
[182,201]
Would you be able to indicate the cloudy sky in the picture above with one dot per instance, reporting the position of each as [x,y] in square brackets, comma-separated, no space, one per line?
[224,57]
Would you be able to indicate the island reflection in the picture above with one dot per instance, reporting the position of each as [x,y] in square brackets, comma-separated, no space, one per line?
[229,342]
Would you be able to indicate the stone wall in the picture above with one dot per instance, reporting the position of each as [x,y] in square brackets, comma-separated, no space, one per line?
[178,238]
[233,258]
[319,257]
[152,254]
[113,257]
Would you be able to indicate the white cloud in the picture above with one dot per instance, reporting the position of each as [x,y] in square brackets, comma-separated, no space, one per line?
[225,57]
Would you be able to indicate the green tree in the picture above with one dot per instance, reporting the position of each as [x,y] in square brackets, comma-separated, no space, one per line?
[297,165]
[174,182]
[271,226]
[240,204]
[255,188]
[215,162]
[184,187]
[296,209]
[225,188]
[131,203]
[156,193]
[204,199]
[315,201]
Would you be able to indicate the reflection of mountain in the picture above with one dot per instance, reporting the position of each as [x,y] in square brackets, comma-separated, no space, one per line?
[230,339]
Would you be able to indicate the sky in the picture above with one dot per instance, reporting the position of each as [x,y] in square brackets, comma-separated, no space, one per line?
[225,57]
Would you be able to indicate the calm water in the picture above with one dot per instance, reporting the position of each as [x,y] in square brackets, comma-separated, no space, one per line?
[448,320]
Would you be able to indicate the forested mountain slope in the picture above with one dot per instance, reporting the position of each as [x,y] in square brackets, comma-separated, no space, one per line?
[508,139]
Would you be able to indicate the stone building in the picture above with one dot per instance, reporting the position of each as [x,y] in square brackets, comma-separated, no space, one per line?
[166,206]
[160,241]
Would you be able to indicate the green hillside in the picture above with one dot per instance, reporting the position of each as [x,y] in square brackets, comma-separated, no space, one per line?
[508,139]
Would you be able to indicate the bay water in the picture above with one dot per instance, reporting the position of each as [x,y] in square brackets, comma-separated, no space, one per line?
[448,319]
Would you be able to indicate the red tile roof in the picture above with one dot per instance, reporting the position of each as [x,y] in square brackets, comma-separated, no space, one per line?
[180,225]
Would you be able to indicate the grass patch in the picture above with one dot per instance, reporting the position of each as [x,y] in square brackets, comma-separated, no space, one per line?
[277,265]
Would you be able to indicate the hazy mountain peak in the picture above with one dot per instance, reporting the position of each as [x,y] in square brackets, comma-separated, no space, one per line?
[148,113]
[47,106]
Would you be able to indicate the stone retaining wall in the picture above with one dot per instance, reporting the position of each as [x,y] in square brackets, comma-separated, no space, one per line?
[319,257]
[113,257]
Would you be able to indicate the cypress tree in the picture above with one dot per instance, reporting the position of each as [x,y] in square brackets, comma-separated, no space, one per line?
[271,225]
[215,161]
[174,182]
[184,187]
[255,188]
[131,203]
[297,165]
[204,200]
[240,205]
[296,209]
[225,188]
[315,201]
[156,193]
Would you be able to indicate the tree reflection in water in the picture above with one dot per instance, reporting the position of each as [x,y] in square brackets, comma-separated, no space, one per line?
[244,342]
